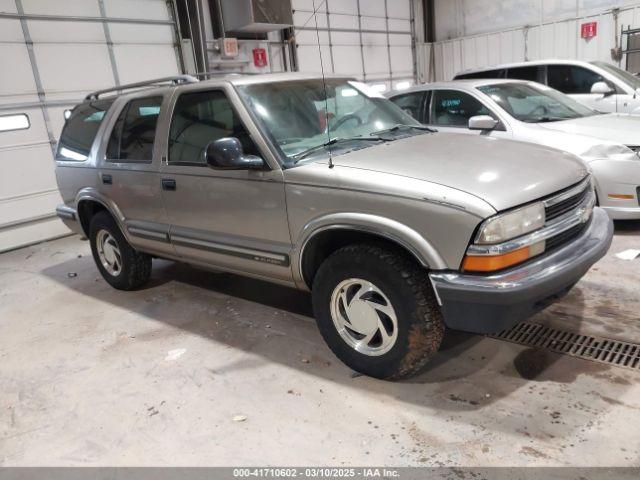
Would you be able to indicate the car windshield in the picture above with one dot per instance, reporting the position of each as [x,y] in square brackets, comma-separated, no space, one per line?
[535,104]
[622,75]
[312,118]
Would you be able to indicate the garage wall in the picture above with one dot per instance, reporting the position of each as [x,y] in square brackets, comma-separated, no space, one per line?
[50,61]
[559,39]
[369,39]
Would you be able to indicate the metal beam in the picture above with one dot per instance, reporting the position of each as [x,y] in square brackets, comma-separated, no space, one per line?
[36,76]
[107,36]
[74,18]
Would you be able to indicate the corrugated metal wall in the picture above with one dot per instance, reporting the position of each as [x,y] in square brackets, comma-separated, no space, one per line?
[368,39]
[52,54]
[560,39]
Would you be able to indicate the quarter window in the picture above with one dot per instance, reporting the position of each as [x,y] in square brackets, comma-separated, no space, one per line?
[411,103]
[80,130]
[572,80]
[200,118]
[450,108]
[134,132]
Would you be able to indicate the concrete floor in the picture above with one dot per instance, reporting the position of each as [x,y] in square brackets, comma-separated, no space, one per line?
[93,376]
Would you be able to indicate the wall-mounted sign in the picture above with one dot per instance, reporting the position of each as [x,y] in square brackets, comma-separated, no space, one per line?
[260,57]
[229,48]
[589,30]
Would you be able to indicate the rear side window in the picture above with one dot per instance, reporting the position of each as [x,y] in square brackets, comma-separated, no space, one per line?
[481,75]
[532,73]
[134,132]
[200,118]
[411,103]
[570,79]
[80,130]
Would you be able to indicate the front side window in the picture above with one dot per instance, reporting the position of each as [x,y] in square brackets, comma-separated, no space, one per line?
[134,133]
[200,118]
[622,75]
[534,104]
[452,108]
[80,130]
[411,103]
[303,116]
[570,79]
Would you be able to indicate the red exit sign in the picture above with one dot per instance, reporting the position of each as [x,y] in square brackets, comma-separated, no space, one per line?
[589,30]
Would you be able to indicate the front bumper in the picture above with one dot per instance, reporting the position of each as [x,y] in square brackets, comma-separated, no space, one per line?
[490,304]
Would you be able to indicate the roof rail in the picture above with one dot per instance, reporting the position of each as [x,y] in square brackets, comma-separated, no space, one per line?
[221,73]
[175,80]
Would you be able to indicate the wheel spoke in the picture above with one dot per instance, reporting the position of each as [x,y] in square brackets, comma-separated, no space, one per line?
[386,309]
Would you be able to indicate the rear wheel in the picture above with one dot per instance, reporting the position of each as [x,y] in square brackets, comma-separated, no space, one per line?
[377,312]
[120,264]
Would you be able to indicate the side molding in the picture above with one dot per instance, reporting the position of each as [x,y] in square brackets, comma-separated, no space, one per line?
[385,227]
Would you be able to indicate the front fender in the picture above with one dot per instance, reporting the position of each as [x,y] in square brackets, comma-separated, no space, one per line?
[385,227]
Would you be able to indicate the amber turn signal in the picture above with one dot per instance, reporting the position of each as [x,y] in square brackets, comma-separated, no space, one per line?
[492,263]
[621,196]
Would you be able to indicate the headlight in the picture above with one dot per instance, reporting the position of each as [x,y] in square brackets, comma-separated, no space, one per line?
[511,225]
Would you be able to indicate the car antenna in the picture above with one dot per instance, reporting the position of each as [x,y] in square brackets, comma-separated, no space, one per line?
[324,82]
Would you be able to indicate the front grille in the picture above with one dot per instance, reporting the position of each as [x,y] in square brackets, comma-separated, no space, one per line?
[564,237]
[560,208]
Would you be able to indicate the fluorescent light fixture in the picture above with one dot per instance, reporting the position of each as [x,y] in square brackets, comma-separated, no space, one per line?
[18,121]
[349,92]
[403,85]
[67,114]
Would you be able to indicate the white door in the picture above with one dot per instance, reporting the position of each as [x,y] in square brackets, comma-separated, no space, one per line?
[53,54]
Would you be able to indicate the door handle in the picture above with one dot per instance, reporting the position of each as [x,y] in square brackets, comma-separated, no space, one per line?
[168,184]
[107,179]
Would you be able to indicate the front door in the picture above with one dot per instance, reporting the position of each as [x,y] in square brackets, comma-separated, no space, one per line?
[231,219]
[450,111]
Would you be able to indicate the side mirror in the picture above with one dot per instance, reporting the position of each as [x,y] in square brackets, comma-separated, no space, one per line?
[602,88]
[227,154]
[482,122]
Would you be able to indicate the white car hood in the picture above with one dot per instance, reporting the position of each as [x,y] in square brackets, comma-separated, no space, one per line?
[617,128]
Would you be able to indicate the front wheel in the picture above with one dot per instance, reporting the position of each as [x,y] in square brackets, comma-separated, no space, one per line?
[376,310]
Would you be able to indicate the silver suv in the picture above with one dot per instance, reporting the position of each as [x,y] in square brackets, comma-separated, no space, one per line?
[324,185]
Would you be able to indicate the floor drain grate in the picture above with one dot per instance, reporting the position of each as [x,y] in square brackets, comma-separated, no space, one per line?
[597,349]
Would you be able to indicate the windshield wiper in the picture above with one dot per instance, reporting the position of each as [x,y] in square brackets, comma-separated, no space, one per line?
[550,119]
[397,127]
[334,141]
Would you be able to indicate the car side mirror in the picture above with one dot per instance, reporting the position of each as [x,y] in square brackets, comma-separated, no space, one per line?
[227,154]
[602,88]
[482,122]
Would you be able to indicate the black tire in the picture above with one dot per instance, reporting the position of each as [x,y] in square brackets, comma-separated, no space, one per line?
[135,266]
[420,327]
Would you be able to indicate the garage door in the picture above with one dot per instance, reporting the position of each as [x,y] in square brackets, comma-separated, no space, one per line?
[52,54]
[368,39]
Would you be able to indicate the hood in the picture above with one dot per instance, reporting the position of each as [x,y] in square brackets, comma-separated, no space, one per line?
[504,173]
[618,128]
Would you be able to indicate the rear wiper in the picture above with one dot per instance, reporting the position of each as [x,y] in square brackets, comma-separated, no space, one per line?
[401,125]
[334,141]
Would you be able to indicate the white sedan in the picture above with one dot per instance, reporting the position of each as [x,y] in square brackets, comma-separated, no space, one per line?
[531,112]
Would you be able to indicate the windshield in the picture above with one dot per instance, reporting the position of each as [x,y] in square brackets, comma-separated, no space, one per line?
[622,75]
[531,104]
[305,123]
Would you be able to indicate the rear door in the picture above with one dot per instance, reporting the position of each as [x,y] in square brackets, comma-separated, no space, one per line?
[412,103]
[128,173]
[232,219]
